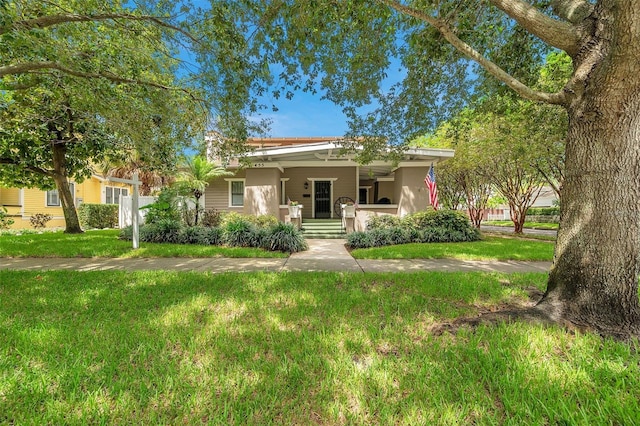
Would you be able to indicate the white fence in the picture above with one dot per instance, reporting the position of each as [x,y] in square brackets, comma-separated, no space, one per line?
[125,217]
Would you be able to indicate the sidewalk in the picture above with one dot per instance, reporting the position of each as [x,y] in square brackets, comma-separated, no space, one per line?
[323,255]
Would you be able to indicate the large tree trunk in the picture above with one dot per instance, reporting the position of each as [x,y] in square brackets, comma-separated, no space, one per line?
[67,199]
[594,277]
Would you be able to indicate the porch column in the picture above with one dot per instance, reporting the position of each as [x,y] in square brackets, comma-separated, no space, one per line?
[261,189]
[410,191]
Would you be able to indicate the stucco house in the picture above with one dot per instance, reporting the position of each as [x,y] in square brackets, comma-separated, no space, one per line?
[22,203]
[311,172]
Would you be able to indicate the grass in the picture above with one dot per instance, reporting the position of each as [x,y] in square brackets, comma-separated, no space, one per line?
[528,225]
[490,248]
[295,348]
[105,243]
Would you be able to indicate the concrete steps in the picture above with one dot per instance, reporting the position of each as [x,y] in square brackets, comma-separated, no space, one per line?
[322,228]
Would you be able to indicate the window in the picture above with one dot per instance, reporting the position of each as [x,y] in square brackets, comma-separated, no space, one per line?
[53,198]
[113,194]
[236,193]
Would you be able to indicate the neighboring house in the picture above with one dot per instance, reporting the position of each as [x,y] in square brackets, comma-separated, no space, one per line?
[310,171]
[22,203]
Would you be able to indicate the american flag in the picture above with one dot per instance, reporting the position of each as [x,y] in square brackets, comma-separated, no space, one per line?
[430,181]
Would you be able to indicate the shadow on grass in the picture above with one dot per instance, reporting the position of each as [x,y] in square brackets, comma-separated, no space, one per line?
[295,348]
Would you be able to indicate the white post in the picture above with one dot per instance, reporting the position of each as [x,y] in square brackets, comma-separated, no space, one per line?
[135,210]
[134,206]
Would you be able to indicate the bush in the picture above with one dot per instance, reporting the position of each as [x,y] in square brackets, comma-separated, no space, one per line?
[264,221]
[239,232]
[126,233]
[5,222]
[543,211]
[447,219]
[98,215]
[383,222]
[211,218]
[162,231]
[359,239]
[397,235]
[193,235]
[165,207]
[39,220]
[286,237]
[213,236]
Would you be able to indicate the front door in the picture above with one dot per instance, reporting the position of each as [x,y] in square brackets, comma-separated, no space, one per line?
[322,196]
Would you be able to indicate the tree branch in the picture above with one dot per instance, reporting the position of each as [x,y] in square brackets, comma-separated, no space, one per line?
[26,67]
[492,68]
[573,11]
[52,20]
[14,162]
[555,33]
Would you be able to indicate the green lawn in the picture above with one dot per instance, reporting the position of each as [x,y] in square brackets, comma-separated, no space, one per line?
[490,248]
[295,348]
[105,243]
[529,225]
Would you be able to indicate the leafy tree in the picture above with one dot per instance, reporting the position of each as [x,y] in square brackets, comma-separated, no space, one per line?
[348,46]
[194,179]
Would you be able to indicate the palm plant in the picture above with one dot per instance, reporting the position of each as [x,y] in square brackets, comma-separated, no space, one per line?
[195,176]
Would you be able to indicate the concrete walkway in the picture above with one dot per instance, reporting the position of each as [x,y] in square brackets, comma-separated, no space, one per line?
[323,255]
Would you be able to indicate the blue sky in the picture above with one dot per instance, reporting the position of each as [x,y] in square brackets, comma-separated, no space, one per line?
[306,115]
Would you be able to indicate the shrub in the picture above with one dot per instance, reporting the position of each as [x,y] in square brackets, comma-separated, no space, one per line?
[39,220]
[359,239]
[165,207]
[162,231]
[126,233]
[98,215]
[285,237]
[193,235]
[434,235]
[264,221]
[239,232]
[213,236]
[397,235]
[379,237]
[5,222]
[211,218]
[447,219]
[543,211]
[383,222]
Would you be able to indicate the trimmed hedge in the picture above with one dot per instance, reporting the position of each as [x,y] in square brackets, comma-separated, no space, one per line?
[543,211]
[98,216]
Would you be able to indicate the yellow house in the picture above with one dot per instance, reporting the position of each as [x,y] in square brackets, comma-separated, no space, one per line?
[22,203]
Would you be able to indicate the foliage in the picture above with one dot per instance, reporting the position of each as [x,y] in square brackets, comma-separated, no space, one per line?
[544,211]
[239,232]
[264,220]
[5,221]
[165,207]
[211,218]
[383,221]
[39,220]
[194,178]
[286,238]
[164,230]
[425,227]
[446,219]
[98,216]
[359,239]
